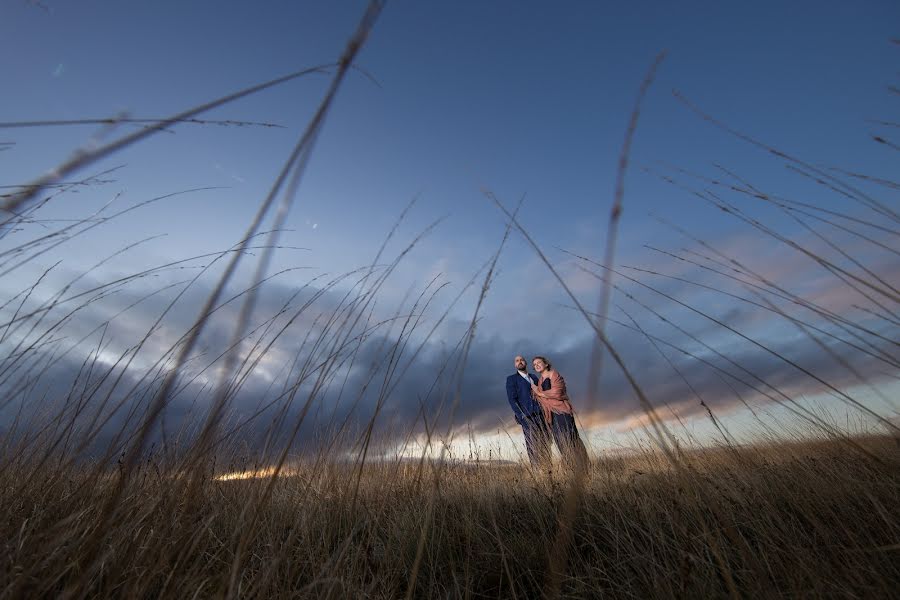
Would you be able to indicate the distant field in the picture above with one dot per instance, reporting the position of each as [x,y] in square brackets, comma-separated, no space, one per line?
[792,520]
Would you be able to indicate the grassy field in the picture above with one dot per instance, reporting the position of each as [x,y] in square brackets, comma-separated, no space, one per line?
[789,520]
[103,498]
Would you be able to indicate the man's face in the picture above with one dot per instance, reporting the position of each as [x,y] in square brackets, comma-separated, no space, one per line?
[520,363]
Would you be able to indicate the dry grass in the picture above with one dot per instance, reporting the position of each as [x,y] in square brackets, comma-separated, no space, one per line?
[791,520]
[805,513]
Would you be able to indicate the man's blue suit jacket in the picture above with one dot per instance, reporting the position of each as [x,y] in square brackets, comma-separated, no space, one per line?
[518,392]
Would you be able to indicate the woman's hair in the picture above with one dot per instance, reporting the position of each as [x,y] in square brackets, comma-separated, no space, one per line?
[544,360]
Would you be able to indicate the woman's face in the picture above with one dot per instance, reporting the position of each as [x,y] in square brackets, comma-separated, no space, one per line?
[538,365]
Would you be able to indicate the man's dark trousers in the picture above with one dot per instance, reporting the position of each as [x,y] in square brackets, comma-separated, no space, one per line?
[537,439]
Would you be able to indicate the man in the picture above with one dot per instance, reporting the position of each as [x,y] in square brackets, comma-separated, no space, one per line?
[528,413]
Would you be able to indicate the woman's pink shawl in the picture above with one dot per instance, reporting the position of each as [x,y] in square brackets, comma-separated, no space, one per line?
[554,400]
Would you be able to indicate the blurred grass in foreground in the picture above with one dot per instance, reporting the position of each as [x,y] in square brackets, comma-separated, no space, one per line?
[789,519]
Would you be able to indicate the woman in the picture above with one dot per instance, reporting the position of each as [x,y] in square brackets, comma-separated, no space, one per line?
[550,392]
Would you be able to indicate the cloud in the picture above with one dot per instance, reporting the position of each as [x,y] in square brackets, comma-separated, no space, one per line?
[336,368]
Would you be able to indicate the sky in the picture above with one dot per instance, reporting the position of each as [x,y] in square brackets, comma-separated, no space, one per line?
[453,103]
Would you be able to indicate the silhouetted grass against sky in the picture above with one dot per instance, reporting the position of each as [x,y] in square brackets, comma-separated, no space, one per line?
[452,100]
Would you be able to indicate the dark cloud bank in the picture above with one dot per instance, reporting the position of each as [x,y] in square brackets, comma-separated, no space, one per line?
[372,372]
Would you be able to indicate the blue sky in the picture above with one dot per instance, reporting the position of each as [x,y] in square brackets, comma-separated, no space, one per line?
[512,97]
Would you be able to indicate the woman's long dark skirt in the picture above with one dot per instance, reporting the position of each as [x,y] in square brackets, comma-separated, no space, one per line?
[565,434]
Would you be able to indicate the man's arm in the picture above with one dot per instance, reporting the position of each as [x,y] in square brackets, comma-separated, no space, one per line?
[512,394]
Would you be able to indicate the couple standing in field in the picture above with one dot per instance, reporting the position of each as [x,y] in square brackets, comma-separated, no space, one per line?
[542,408]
